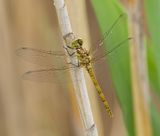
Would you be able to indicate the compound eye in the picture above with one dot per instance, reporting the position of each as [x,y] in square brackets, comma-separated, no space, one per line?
[80,41]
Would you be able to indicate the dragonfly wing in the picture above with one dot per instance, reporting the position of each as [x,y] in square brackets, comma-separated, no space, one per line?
[106,53]
[48,75]
[42,57]
[115,34]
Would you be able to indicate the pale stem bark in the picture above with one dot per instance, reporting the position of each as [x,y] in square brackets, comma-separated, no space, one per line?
[77,74]
[140,86]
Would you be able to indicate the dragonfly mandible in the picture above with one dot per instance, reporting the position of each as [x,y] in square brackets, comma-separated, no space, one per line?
[85,59]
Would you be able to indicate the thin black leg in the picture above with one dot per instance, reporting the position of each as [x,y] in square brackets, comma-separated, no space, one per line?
[70,54]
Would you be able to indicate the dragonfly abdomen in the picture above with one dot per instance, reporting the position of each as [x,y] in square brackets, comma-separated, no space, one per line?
[100,93]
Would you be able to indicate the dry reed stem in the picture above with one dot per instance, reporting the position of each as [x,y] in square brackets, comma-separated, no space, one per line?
[77,74]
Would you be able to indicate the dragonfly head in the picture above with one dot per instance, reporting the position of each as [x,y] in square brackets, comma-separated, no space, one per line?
[77,43]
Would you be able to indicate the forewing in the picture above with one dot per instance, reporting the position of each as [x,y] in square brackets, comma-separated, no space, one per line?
[42,57]
[113,39]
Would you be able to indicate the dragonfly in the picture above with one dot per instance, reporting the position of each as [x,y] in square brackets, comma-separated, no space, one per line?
[85,59]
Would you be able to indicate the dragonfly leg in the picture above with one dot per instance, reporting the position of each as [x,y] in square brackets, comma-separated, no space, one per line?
[91,128]
[70,54]
[75,65]
[69,47]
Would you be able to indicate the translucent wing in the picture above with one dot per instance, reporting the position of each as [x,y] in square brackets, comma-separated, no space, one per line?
[48,75]
[108,52]
[113,39]
[42,57]
[59,68]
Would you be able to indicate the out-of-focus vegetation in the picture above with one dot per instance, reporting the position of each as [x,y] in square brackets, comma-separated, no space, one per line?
[105,11]
[152,21]
[30,108]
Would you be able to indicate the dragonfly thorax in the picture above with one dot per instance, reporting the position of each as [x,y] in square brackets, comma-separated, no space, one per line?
[83,57]
[82,54]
